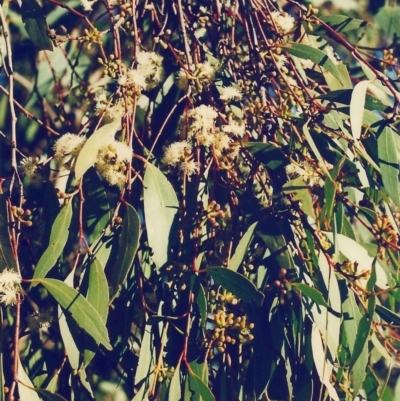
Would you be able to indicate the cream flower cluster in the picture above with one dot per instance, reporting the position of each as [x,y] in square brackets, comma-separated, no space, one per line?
[67,148]
[284,22]
[111,162]
[148,74]
[311,176]
[10,286]
[198,75]
[200,128]
[29,168]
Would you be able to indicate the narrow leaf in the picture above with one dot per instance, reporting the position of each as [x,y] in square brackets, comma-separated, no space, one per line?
[301,193]
[96,209]
[128,245]
[81,310]
[25,386]
[241,249]
[7,259]
[315,150]
[160,208]
[58,239]
[311,293]
[147,355]
[357,104]
[200,387]
[389,163]
[323,365]
[88,155]
[236,284]
[315,55]
[175,391]
[36,24]
[46,395]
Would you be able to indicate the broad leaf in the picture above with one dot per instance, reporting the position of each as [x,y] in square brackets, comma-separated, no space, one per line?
[237,284]
[96,209]
[301,193]
[25,386]
[241,249]
[36,24]
[160,209]
[128,245]
[58,239]
[81,310]
[315,55]
[357,104]
[7,260]
[389,163]
[88,155]
[323,365]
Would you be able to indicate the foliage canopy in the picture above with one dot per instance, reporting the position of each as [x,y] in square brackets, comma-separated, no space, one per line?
[199,201]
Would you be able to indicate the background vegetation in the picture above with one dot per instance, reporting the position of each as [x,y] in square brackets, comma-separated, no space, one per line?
[199,200]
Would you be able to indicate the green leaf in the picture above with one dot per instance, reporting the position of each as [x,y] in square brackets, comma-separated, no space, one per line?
[69,331]
[357,107]
[267,153]
[389,163]
[25,386]
[147,356]
[7,260]
[46,395]
[160,208]
[311,293]
[58,239]
[344,96]
[201,300]
[96,210]
[323,365]
[88,155]
[236,284]
[340,23]
[359,359]
[175,390]
[199,387]
[387,315]
[241,249]
[81,310]
[315,150]
[97,295]
[128,245]
[310,53]
[36,24]
[301,193]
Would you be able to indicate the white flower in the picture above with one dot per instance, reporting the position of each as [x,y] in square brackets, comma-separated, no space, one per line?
[230,93]
[222,141]
[190,167]
[29,166]
[136,79]
[68,144]
[234,128]
[9,279]
[284,22]
[280,60]
[203,117]
[176,152]
[205,71]
[182,79]
[111,162]
[150,66]
[8,297]
[123,151]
